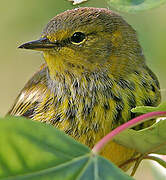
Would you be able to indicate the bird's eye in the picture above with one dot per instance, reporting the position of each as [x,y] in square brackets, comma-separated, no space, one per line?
[77,37]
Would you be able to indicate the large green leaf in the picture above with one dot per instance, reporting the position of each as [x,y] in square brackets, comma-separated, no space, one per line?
[147,109]
[35,151]
[149,140]
[134,5]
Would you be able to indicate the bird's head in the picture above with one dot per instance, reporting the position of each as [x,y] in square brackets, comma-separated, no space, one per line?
[87,40]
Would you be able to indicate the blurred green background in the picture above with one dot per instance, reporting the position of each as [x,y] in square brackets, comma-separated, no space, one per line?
[22,21]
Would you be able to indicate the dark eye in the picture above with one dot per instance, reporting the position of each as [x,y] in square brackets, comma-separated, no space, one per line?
[78,37]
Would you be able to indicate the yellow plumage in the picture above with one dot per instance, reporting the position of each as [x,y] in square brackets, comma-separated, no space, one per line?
[95,73]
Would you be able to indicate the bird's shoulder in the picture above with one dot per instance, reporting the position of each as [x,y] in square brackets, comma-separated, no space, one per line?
[31,94]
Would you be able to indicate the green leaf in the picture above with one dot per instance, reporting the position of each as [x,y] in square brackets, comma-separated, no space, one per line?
[36,151]
[134,5]
[149,140]
[147,109]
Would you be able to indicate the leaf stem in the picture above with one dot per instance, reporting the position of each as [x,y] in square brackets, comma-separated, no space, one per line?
[136,166]
[128,162]
[157,159]
[142,118]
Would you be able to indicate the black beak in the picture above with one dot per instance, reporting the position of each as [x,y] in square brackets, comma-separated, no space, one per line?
[40,44]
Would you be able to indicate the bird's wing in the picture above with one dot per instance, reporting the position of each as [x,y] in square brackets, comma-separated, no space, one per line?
[30,95]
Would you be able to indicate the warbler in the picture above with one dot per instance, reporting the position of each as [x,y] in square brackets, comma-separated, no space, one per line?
[94,74]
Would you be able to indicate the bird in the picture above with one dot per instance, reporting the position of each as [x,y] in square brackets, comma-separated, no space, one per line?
[93,75]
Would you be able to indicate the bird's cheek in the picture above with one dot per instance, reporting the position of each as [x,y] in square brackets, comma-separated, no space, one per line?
[65,51]
[70,55]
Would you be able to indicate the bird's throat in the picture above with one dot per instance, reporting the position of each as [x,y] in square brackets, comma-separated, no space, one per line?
[55,64]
